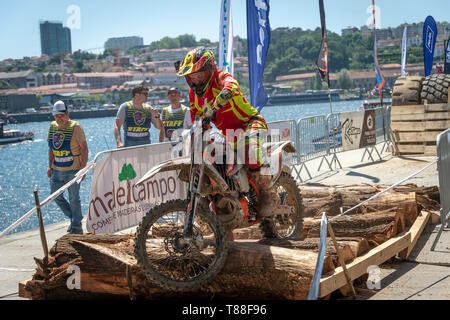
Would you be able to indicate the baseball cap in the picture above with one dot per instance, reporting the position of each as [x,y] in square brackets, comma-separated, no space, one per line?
[59,108]
[173,89]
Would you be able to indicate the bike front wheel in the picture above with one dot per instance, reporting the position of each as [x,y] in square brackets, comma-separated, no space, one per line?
[169,259]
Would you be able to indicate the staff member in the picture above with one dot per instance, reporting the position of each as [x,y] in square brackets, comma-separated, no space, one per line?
[175,117]
[136,116]
[68,153]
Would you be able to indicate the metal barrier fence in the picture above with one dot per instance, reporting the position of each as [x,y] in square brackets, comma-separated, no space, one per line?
[443,166]
[321,136]
[313,137]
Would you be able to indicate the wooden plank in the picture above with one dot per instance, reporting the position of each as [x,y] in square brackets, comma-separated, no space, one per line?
[437,107]
[430,136]
[420,109]
[359,266]
[408,126]
[435,217]
[414,148]
[412,109]
[421,116]
[420,125]
[23,292]
[416,230]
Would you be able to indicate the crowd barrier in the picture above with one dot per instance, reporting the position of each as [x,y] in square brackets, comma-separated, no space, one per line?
[443,154]
[322,137]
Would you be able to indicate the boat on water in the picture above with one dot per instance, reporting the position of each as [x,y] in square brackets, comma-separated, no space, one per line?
[308,97]
[13,136]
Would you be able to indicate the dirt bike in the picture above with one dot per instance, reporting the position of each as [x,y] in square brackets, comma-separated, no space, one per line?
[181,244]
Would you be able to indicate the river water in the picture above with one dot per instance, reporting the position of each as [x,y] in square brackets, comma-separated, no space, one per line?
[23,166]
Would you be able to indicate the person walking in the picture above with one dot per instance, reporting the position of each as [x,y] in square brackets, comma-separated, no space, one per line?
[175,117]
[136,117]
[68,153]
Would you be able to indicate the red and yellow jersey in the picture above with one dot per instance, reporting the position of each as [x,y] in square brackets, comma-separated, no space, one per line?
[235,114]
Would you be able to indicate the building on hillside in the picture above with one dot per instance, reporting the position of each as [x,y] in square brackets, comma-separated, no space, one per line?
[55,38]
[349,30]
[124,43]
[98,80]
[16,103]
[363,79]
[21,79]
[170,55]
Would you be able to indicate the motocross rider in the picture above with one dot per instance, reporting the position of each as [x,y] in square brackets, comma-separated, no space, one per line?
[215,94]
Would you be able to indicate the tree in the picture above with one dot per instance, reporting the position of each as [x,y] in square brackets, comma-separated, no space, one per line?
[187,40]
[343,80]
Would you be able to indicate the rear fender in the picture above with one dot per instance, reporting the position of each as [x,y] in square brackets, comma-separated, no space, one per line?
[275,155]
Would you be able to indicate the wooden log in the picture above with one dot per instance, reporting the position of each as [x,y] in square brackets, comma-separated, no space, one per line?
[108,267]
[376,227]
[252,232]
[331,199]
[358,245]
[313,245]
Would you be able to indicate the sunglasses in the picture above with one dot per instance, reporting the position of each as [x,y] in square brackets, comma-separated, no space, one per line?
[144,93]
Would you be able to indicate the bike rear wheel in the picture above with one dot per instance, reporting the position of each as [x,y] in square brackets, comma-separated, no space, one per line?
[163,254]
[289,193]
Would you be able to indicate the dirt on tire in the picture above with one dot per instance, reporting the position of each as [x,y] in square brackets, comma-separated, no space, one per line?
[435,88]
[407,91]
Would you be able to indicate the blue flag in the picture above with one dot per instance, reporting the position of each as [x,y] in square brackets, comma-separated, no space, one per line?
[258,38]
[429,41]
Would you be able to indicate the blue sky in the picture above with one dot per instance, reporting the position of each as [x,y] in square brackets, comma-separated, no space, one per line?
[154,19]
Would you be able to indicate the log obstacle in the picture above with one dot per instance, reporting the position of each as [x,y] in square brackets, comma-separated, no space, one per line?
[255,268]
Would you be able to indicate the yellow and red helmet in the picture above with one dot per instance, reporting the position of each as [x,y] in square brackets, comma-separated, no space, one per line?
[198,60]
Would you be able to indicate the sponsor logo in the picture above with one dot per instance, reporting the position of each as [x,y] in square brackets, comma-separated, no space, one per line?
[429,39]
[139,118]
[129,200]
[58,140]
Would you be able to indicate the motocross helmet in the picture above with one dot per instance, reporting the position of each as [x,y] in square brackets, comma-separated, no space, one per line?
[198,60]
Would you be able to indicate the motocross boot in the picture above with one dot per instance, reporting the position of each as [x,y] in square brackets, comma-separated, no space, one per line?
[269,198]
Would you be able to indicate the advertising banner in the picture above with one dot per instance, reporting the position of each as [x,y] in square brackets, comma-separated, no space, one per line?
[358,129]
[116,202]
[404,52]
[429,42]
[258,39]
[322,60]
[226,38]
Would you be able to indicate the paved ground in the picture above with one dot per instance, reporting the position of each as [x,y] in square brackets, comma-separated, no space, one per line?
[425,275]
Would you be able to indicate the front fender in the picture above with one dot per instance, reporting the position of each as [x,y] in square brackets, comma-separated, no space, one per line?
[169,165]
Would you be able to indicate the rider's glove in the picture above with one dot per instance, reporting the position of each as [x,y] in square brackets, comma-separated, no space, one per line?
[222,98]
[210,112]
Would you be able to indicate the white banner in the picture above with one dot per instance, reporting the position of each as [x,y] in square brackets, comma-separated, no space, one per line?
[226,38]
[403,52]
[116,202]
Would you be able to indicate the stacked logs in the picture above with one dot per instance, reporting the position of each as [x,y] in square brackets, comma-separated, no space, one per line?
[255,268]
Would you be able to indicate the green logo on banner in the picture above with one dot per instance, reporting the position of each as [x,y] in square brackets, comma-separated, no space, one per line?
[127,173]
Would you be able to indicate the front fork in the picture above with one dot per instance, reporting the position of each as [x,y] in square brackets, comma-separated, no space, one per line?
[195,180]
[193,198]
